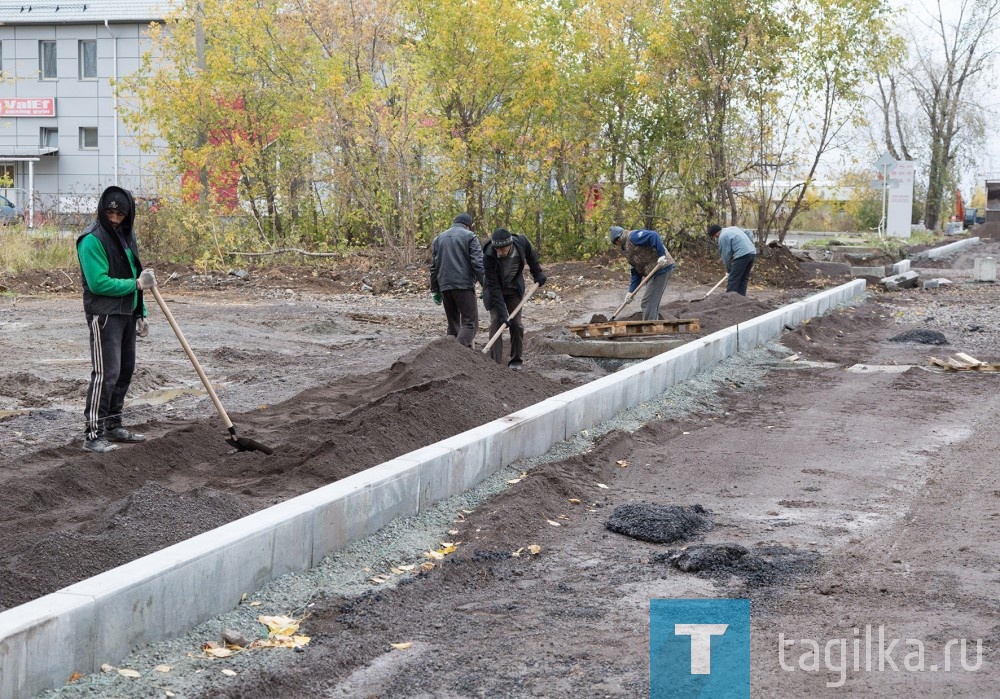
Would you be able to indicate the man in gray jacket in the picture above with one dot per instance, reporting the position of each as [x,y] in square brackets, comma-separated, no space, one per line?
[456,266]
[738,253]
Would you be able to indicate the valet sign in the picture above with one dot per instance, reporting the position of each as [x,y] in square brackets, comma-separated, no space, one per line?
[27,107]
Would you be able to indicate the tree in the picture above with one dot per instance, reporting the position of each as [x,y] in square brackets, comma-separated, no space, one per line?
[940,78]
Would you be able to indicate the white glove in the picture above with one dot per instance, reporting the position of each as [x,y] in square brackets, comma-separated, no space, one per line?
[141,327]
[629,296]
[662,262]
[147,280]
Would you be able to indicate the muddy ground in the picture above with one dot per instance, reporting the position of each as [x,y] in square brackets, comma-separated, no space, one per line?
[859,497]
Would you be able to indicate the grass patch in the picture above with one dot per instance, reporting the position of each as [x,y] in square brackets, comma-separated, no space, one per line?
[42,249]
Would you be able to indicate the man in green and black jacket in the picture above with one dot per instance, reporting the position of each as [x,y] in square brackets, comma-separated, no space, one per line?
[112,300]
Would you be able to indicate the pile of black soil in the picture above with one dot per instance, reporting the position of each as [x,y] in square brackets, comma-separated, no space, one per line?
[759,567]
[924,337]
[659,524]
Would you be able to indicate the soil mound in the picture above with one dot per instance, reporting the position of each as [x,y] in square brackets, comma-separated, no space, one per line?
[924,337]
[74,514]
[716,312]
[758,567]
[659,524]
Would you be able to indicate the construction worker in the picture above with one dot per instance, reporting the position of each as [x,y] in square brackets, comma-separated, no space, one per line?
[738,253]
[113,280]
[504,257]
[644,250]
[456,266]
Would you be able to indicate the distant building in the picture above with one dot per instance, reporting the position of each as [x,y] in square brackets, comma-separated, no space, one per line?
[62,139]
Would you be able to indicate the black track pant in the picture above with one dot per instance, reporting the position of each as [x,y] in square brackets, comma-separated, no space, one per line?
[739,274]
[112,357]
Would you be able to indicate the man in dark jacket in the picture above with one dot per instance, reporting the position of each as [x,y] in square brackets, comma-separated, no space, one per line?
[644,250]
[112,299]
[504,257]
[456,266]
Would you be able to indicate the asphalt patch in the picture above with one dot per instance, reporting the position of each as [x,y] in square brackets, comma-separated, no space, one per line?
[759,567]
[923,337]
[659,524]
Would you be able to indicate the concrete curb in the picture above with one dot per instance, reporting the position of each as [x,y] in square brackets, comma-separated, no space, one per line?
[945,250]
[101,619]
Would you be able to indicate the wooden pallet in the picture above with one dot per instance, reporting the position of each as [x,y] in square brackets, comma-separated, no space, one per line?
[963,362]
[624,329]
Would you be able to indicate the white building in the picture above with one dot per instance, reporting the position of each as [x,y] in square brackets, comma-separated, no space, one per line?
[62,140]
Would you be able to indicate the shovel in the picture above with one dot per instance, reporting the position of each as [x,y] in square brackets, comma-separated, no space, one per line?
[631,294]
[517,309]
[716,286]
[240,443]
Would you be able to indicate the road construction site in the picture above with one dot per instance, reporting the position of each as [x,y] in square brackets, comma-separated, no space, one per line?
[845,481]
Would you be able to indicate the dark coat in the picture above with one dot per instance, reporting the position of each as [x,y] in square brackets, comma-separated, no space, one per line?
[493,289]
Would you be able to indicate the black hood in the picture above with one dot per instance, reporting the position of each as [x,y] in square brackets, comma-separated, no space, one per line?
[121,198]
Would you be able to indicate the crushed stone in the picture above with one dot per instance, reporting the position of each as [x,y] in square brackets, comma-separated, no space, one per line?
[924,337]
[659,524]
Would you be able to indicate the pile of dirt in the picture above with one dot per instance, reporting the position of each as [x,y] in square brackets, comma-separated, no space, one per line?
[843,335]
[758,567]
[718,311]
[987,231]
[921,336]
[69,514]
[659,524]
[775,266]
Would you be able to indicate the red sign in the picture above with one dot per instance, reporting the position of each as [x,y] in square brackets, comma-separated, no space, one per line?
[27,106]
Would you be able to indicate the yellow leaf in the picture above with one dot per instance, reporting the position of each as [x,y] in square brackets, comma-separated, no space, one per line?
[517,554]
[396,571]
[74,677]
[163,668]
[255,603]
[401,646]
[434,554]
[622,463]
[228,672]
[218,652]
[407,567]
[426,566]
[535,549]
[574,501]
[128,673]
[279,625]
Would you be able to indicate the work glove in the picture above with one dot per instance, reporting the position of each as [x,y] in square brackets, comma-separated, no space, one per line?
[147,279]
[141,327]
[629,296]
[541,280]
[436,295]
[662,262]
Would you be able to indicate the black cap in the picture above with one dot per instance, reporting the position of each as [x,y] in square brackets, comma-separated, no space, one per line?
[117,201]
[463,219]
[502,238]
[713,229]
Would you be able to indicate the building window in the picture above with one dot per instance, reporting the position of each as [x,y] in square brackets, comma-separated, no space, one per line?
[88,59]
[47,59]
[49,137]
[88,138]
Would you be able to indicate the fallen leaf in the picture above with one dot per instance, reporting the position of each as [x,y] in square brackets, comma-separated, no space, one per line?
[434,554]
[163,668]
[574,501]
[401,646]
[554,524]
[407,567]
[622,463]
[228,672]
[601,485]
[169,693]
[125,672]
[512,481]
[396,571]
[426,566]
[218,652]
[243,598]
[74,677]
[517,554]
[107,668]
[279,625]
[535,549]
[453,532]
[255,604]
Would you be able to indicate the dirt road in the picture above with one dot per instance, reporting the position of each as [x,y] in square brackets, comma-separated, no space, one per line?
[862,498]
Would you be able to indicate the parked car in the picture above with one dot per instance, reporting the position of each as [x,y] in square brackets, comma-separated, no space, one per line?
[10,212]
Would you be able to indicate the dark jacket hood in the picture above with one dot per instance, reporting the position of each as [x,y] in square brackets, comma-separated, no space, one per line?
[110,193]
